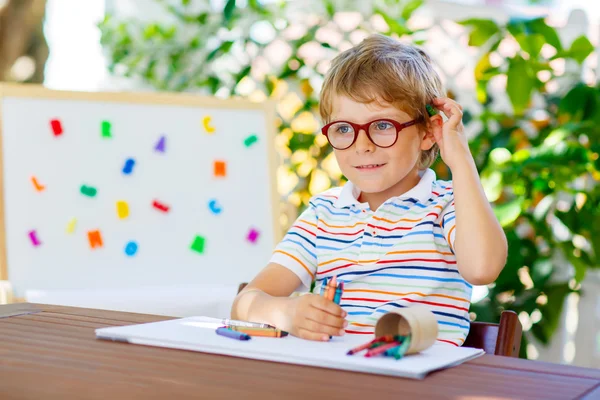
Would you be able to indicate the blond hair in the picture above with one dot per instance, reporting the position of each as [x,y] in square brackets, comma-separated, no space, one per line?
[379,69]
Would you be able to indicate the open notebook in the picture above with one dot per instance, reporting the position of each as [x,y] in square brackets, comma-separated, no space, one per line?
[198,334]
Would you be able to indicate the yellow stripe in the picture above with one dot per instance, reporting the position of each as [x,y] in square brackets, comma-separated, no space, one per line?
[347,259]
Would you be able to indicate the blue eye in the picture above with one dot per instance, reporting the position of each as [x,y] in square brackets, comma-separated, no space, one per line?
[383,125]
[344,129]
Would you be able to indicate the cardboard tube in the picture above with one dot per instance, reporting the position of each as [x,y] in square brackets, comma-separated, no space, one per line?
[418,322]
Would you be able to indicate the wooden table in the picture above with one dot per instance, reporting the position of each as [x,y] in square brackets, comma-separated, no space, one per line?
[50,352]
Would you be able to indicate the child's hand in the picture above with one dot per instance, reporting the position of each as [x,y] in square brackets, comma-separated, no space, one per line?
[451,139]
[314,317]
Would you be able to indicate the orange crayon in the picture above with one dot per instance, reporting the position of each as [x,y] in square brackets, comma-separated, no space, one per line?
[263,332]
[331,288]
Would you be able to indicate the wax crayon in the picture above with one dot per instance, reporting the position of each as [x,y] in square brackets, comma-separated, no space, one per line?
[332,287]
[263,332]
[381,349]
[232,334]
[381,339]
[338,293]
[324,286]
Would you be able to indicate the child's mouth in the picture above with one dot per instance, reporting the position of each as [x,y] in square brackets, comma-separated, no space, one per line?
[369,167]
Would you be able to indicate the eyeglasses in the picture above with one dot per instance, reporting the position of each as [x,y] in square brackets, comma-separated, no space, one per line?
[382,132]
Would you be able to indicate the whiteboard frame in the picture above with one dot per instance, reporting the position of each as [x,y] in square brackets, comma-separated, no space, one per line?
[151,98]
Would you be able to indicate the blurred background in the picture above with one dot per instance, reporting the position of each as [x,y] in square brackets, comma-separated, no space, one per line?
[525,71]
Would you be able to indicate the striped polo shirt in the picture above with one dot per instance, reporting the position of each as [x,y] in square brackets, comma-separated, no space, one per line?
[399,255]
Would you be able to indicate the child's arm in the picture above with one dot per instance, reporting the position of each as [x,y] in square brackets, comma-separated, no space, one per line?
[480,244]
[266,299]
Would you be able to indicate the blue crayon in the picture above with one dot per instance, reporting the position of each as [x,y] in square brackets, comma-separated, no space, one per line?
[338,293]
[230,333]
[323,286]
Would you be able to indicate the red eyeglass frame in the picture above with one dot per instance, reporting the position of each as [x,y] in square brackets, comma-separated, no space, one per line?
[365,127]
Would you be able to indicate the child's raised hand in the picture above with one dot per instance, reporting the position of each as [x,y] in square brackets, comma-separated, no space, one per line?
[314,317]
[450,136]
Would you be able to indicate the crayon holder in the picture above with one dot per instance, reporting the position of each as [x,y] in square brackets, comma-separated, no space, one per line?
[417,322]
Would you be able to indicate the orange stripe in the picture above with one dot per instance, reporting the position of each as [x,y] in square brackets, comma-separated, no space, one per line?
[395,222]
[299,262]
[347,259]
[365,325]
[404,294]
[342,226]
[449,235]
[307,223]
[419,251]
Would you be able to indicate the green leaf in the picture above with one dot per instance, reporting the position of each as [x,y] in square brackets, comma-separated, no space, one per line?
[581,48]
[228,10]
[483,30]
[242,74]
[514,261]
[185,2]
[223,48]
[551,312]
[519,84]
[578,264]
[202,18]
[396,26]
[330,8]
[541,271]
[508,213]
[539,25]
[532,44]
[410,8]
[213,84]
[301,141]
[581,103]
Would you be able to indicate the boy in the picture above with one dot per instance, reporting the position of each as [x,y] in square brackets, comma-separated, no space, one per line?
[391,232]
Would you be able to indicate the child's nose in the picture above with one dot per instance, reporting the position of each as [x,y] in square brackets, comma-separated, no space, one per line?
[363,143]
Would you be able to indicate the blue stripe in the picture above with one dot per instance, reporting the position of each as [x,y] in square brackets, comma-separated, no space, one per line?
[417,267]
[451,324]
[333,212]
[339,240]
[400,206]
[378,244]
[319,247]
[301,245]
[451,218]
[449,315]
[429,232]
[291,233]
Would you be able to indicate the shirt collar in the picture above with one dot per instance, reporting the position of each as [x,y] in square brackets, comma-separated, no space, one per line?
[422,191]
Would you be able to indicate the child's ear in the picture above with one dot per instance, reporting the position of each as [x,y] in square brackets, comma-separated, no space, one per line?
[433,133]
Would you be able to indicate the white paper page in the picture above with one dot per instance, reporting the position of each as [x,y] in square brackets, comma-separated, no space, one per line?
[196,334]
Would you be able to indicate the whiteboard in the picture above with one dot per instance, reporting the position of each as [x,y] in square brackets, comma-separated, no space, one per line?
[174,151]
